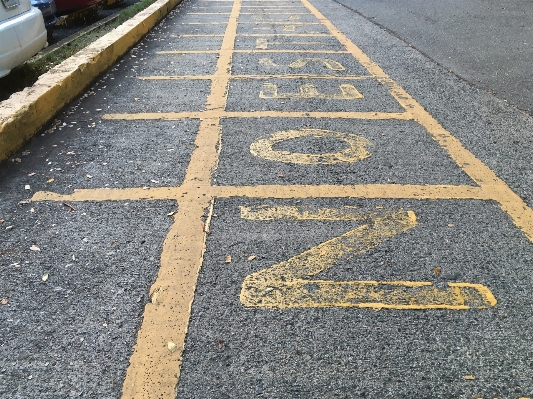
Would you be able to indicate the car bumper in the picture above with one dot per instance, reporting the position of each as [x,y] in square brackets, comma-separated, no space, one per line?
[49,13]
[21,38]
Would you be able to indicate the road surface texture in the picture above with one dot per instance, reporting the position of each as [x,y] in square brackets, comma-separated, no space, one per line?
[488,43]
[272,199]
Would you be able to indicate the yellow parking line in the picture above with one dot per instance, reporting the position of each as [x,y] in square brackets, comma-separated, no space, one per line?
[285,34]
[287,22]
[252,51]
[155,364]
[259,114]
[275,13]
[512,204]
[375,191]
[204,77]
[177,36]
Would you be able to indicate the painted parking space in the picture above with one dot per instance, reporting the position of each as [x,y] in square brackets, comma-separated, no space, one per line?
[315,173]
[239,348]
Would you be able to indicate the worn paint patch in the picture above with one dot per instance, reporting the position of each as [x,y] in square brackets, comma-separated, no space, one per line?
[288,284]
[356,151]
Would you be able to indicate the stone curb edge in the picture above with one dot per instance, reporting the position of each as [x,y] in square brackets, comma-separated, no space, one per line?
[25,112]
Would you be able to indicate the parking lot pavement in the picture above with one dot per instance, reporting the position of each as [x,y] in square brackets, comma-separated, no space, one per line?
[273,199]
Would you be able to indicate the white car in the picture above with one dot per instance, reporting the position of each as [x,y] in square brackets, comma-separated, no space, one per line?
[22,33]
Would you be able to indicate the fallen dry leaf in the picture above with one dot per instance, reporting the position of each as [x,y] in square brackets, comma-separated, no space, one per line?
[45,277]
[437,271]
[70,207]
[228,258]
[9,228]
[219,343]
[450,224]
[2,221]
[280,174]
[50,180]
[18,160]
[469,377]
[4,301]
[252,257]
[35,248]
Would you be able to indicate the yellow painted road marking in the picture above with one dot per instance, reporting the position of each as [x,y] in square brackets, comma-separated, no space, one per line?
[301,62]
[405,116]
[285,34]
[177,36]
[259,17]
[209,77]
[154,372]
[508,200]
[375,191]
[280,22]
[288,284]
[356,150]
[275,13]
[264,43]
[307,90]
[250,51]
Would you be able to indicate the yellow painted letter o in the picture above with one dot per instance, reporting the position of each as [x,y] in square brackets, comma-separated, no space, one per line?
[355,151]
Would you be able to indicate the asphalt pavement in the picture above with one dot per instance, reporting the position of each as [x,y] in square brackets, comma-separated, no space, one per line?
[487,43]
[272,199]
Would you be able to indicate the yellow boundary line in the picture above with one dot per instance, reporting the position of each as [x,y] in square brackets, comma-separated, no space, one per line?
[154,370]
[260,114]
[252,51]
[209,77]
[385,191]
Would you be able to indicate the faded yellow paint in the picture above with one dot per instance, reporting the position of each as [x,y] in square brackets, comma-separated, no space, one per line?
[405,116]
[404,191]
[277,21]
[264,43]
[508,200]
[348,213]
[209,77]
[331,64]
[154,372]
[250,51]
[274,13]
[288,285]
[301,62]
[259,17]
[356,150]
[286,34]
[307,90]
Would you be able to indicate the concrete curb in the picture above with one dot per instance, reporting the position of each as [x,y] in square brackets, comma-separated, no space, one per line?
[25,112]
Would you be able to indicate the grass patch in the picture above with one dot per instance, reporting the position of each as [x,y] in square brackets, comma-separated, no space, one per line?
[28,73]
